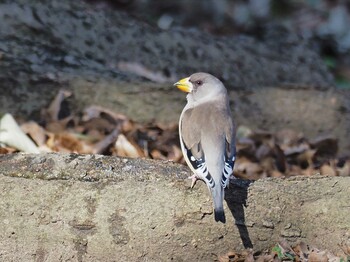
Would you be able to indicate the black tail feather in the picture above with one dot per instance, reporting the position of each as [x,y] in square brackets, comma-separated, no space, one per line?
[219,216]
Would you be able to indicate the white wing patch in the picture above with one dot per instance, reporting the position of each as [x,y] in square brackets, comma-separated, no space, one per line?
[198,166]
[228,169]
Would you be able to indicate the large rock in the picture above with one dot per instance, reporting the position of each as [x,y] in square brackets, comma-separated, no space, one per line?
[59,207]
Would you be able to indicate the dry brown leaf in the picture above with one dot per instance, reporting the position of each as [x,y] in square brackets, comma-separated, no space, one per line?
[305,159]
[51,114]
[246,169]
[36,132]
[263,151]
[265,258]
[327,170]
[345,246]
[7,150]
[93,135]
[231,254]
[126,148]
[268,164]
[246,147]
[308,172]
[50,142]
[223,258]
[302,250]
[66,142]
[286,246]
[294,170]
[318,256]
[101,146]
[325,146]
[123,122]
[249,258]
[156,154]
[58,126]
[175,154]
[289,151]
[275,173]
[343,168]
[281,162]
[99,124]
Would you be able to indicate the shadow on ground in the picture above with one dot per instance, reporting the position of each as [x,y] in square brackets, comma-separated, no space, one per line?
[236,199]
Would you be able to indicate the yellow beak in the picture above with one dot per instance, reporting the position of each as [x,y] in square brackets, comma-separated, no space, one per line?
[184,85]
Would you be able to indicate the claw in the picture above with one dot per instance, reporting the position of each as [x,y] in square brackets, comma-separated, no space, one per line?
[194,179]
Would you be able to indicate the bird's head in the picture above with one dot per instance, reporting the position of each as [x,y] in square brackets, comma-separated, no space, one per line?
[201,85]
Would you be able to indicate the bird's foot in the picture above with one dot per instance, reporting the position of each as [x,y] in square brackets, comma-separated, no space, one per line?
[232,177]
[194,179]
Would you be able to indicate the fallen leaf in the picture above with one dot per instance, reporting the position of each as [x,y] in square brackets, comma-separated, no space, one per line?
[12,135]
[275,173]
[59,126]
[318,256]
[109,116]
[101,146]
[295,150]
[175,154]
[246,169]
[36,132]
[223,258]
[281,162]
[246,148]
[343,167]
[156,154]
[325,146]
[125,148]
[308,171]
[263,151]
[327,170]
[305,159]
[66,143]
[302,250]
[7,150]
[52,113]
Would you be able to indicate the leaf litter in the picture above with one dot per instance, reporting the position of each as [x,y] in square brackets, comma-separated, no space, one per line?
[282,251]
[98,130]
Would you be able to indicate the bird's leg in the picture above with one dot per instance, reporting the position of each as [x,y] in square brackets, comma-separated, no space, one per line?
[194,179]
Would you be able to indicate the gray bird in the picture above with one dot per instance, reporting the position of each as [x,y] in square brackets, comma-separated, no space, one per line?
[207,135]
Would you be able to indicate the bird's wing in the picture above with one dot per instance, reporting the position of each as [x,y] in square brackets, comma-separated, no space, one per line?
[230,150]
[190,135]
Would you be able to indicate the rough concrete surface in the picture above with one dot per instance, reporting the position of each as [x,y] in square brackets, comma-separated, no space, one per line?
[58,207]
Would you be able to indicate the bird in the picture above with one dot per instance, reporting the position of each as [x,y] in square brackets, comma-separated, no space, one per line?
[207,135]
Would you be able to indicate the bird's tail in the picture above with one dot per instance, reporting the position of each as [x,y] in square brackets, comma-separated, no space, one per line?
[218,199]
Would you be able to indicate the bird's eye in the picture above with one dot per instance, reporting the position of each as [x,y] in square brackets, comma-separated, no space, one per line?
[199,83]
